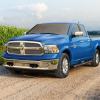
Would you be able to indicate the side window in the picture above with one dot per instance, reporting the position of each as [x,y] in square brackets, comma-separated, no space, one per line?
[75,28]
[83,30]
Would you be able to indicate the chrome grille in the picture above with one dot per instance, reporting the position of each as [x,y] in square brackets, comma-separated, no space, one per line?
[25,48]
[15,51]
[31,45]
[15,44]
[27,51]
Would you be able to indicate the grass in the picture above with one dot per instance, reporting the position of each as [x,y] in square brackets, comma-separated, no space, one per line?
[6,33]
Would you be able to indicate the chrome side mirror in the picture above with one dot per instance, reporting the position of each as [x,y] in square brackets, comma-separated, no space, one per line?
[78,34]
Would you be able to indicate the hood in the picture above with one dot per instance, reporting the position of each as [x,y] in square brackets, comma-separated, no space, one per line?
[44,38]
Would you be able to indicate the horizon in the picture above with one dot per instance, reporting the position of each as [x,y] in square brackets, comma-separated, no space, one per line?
[27,13]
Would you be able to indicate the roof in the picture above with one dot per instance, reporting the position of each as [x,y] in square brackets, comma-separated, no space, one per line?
[60,23]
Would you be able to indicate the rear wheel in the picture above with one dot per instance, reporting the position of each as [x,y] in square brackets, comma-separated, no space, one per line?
[96,59]
[63,66]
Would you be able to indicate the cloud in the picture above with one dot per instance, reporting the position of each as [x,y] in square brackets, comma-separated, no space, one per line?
[37,9]
[1,19]
[40,9]
[67,9]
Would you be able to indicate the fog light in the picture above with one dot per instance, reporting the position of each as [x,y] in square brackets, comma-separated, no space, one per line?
[33,65]
[54,62]
[10,63]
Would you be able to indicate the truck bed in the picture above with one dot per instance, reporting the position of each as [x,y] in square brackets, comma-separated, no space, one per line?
[95,39]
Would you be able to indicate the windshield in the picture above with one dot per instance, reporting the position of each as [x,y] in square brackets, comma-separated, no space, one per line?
[49,28]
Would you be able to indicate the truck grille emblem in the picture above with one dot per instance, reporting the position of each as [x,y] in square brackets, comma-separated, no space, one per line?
[22,50]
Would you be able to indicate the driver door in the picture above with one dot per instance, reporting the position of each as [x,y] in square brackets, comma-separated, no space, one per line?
[76,45]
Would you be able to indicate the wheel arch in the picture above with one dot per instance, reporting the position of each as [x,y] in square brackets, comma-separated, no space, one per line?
[98,48]
[68,53]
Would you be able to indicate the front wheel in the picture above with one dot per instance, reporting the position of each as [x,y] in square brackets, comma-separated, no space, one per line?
[63,66]
[96,59]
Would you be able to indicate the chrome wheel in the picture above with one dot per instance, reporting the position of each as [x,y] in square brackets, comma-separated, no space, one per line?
[97,58]
[65,66]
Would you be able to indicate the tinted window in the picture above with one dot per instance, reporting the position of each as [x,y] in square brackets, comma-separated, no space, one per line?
[75,28]
[50,28]
[83,30]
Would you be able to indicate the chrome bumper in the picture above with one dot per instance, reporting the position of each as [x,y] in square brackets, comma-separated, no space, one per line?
[36,65]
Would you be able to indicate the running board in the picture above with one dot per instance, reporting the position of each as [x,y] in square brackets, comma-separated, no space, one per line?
[83,63]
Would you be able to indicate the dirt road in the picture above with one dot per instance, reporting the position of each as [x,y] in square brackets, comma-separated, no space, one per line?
[83,83]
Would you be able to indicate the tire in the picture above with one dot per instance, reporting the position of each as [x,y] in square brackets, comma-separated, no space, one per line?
[96,59]
[63,66]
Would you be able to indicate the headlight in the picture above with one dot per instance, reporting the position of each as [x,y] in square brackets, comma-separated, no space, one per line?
[51,49]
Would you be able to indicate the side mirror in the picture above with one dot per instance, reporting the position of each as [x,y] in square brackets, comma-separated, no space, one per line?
[76,34]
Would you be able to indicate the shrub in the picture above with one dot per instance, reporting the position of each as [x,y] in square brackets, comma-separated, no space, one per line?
[7,32]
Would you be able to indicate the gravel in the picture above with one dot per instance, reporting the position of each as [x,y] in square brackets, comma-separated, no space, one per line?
[81,84]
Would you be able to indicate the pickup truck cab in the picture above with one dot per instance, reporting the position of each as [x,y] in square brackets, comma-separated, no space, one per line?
[52,46]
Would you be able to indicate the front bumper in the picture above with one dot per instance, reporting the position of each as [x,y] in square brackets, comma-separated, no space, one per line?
[33,65]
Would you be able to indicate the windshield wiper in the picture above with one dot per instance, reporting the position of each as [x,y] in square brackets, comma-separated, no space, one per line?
[42,33]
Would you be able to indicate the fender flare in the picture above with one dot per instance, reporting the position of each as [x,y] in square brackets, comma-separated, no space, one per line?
[65,49]
[96,47]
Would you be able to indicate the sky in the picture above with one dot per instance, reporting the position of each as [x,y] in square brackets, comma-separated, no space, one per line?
[27,13]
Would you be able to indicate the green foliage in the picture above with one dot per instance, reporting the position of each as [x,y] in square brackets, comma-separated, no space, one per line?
[7,32]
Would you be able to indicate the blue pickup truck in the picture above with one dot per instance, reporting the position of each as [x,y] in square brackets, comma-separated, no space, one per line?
[52,46]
